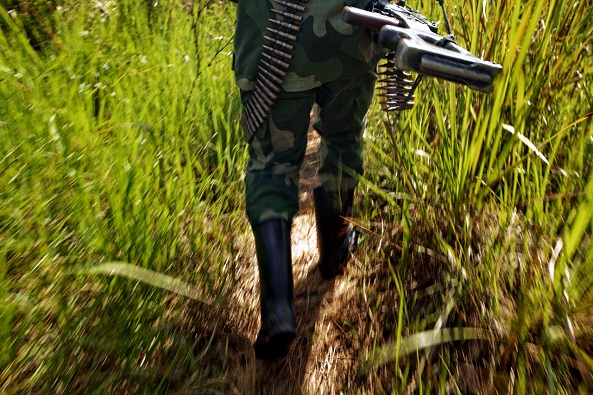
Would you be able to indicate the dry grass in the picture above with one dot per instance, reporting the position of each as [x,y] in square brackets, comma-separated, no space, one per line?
[337,320]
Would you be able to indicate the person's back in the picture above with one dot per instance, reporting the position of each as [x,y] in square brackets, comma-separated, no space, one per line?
[326,48]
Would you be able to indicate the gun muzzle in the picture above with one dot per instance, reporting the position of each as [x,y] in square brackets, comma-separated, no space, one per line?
[418,53]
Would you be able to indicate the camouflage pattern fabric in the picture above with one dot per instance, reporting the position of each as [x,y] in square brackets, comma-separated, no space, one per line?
[327,49]
[333,66]
[278,150]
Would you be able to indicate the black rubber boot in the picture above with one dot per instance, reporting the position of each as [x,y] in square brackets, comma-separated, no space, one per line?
[278,330]
[336,237]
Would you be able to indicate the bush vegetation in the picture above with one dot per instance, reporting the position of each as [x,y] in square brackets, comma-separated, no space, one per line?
[121,164]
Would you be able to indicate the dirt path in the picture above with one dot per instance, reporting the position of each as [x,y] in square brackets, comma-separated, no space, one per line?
[316,361]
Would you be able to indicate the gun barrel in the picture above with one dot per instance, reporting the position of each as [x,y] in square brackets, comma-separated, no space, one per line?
[415,54]
[456,72]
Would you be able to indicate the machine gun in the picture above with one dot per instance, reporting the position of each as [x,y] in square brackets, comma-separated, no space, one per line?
[414,45]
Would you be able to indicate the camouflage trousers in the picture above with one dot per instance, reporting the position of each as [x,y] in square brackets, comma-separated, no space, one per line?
[278,148]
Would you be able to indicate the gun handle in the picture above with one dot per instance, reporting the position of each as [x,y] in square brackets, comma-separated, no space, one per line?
[369,20]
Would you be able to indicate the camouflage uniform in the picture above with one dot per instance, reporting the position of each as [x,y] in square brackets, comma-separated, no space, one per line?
[333,65]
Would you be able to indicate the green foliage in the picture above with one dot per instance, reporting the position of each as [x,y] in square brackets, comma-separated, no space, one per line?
[34,18]
[115,141]
[495,187]
[119,142]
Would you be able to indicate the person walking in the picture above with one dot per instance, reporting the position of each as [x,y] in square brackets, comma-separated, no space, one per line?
[290,55]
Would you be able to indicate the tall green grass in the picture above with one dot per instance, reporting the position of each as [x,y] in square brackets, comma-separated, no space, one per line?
[496,195]
[117,143]
[120,154]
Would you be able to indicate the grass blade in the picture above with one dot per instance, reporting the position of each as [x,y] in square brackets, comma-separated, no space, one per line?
[420,341]
[150,277]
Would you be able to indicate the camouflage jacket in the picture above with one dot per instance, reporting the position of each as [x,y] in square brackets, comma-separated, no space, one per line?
[326,49]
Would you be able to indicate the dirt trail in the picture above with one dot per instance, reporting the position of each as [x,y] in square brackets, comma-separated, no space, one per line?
[316,360]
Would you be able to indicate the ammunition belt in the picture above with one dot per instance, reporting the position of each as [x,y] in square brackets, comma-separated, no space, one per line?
[273,65]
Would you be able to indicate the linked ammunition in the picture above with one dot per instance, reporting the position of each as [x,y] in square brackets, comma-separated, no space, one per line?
[248,125]
[247,122]
[273,65]
[263,79]
[398,103]
[269,75]
[278,52]
[278,43]
[404,106]
[252,126]
[282,34]
[270,90]
[294,17]
[396,88]
[265,102]
[247,131]
[274,69]
[286,25]
[279,62]
[391,96]
[257,112]
[259,108]
[294,6]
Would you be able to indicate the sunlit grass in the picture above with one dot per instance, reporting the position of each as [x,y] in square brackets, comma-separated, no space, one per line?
[496,187]
[121,204]
[117,142]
